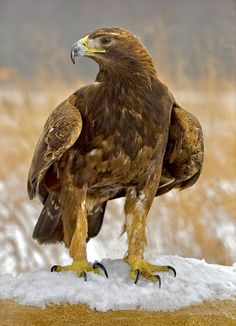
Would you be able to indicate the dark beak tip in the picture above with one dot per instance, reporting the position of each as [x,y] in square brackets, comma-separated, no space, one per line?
[72,56]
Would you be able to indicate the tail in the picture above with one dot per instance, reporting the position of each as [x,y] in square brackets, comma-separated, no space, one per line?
[95,219]
[49,228]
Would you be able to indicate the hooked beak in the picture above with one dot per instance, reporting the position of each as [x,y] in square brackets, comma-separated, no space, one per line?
[78,48]
[83,47]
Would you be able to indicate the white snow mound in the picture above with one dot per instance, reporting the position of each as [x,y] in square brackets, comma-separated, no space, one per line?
[196,282]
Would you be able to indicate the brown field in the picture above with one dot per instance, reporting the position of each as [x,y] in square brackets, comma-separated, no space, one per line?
[206,314]
[199,222]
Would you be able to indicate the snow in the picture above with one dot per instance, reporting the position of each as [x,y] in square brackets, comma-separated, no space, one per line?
[196,282]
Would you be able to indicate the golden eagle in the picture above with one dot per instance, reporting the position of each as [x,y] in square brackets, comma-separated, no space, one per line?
[123,135]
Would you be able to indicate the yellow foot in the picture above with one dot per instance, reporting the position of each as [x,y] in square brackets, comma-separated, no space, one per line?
[142,267]
[81,267]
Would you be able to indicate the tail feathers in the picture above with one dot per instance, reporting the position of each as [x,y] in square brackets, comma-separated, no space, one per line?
[49,228]
[95,219]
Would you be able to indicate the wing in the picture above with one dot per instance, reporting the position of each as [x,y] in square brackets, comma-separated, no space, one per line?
[183,159]
[60,132]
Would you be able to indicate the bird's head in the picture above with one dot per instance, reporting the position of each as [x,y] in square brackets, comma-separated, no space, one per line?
[113,48]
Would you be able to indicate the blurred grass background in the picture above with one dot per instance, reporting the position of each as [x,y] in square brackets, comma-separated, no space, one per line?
[194,48]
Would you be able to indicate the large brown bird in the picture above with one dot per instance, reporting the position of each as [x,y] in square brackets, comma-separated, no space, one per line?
[123,135]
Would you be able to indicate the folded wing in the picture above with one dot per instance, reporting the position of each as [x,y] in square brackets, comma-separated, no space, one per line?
[183,159]
[60,132]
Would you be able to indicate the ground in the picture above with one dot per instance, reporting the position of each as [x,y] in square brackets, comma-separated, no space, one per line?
[209,313]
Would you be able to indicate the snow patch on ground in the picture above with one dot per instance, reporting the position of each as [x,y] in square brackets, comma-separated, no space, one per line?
[196,282]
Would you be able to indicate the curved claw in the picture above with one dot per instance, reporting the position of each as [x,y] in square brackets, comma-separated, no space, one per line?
[159,280]
[54,268]
[138,274]
[102,267]
[84,274]
[170,268]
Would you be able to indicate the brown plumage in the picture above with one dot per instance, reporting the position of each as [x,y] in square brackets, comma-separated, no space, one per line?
[123,135]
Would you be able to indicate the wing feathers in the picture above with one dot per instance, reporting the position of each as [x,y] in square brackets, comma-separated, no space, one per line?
[60,132]
[184,154]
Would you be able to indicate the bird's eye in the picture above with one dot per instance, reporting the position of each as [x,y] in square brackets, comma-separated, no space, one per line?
[105,40]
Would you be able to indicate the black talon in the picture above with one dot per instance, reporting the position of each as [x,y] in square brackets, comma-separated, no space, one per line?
[102,267]
[54,268]
[138,274]
[170,268]
[84,274]
[159,280]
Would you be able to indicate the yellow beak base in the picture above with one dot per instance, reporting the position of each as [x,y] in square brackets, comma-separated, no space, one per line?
[85,42]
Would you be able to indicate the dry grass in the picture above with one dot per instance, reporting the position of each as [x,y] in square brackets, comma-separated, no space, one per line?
[199,222]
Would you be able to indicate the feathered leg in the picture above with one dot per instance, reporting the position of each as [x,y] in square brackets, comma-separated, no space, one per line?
[137,207]
[74,218]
